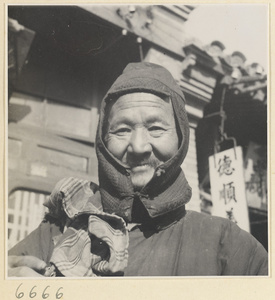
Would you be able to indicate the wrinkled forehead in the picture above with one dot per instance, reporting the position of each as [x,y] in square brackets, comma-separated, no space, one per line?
[134,100]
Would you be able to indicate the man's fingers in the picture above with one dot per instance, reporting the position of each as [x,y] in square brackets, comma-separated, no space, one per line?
[25,266]
[23,272]
[27,261]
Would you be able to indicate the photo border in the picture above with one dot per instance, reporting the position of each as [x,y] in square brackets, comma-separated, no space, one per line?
[237,287]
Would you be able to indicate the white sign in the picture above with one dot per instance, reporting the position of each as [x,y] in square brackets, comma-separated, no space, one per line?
[228,186]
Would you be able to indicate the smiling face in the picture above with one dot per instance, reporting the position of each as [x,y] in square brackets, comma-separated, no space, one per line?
[141,133]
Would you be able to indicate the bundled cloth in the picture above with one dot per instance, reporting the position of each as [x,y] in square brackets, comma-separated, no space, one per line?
[93,243]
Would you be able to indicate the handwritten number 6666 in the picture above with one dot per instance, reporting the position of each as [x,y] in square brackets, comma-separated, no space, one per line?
[32,294]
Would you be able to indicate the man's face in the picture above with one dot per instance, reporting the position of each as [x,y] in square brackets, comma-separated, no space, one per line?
[141,133]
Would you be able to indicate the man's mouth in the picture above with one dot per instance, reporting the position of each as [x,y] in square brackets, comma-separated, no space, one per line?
[141,167]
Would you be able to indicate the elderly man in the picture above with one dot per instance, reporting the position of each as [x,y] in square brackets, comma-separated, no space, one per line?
[135,222]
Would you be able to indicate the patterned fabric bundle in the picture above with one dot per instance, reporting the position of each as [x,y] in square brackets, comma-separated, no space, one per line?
[94,243]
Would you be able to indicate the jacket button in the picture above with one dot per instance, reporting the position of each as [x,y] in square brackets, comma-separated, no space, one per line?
[159,172]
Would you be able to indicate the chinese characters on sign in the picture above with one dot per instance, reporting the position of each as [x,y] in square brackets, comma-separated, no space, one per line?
[225,166]
[228,193]
[228,186]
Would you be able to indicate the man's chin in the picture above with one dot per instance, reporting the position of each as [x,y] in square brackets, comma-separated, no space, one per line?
[141,177]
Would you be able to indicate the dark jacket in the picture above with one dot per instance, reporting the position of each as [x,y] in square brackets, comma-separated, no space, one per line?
[196,245]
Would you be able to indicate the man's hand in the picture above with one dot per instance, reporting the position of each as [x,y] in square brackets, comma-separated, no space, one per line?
[25,266]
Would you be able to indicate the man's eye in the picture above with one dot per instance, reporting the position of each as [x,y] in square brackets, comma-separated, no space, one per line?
[156,130]
[122,131]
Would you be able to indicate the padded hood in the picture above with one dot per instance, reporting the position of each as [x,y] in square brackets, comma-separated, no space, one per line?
[168,190]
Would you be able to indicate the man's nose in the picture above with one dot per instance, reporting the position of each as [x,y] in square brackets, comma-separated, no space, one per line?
[139,142]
